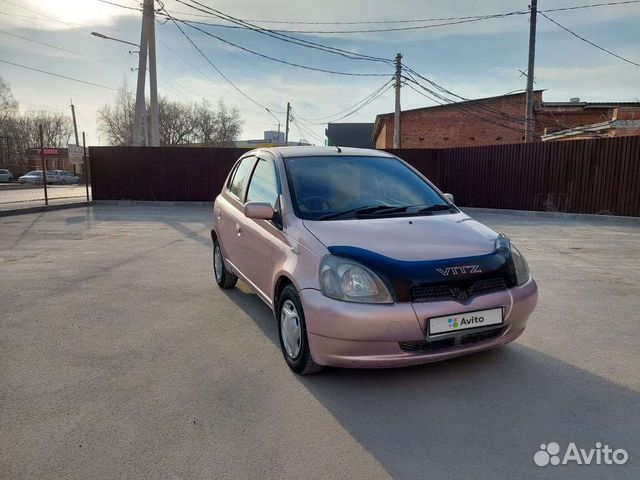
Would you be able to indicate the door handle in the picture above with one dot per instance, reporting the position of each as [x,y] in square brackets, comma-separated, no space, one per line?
[238,229]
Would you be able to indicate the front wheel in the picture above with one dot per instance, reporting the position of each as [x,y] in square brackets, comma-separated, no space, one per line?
[224,278]
[293,333]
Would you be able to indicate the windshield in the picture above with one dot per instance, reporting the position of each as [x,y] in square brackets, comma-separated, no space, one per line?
[35,173]
[340,187]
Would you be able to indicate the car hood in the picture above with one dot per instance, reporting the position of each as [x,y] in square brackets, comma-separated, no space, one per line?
[420,238]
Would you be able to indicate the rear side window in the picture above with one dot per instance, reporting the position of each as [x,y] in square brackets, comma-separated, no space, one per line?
[264,185]
[241,177]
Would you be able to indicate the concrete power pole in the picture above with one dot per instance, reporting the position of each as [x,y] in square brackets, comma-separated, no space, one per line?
[530,71]
[147,44]
[153,77]
[286,130]
[396,117]
[75,125]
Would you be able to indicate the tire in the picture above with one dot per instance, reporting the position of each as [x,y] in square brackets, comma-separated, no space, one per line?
[224,278]
[289,316]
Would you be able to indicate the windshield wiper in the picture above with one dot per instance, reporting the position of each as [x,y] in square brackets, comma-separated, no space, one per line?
[361,211]
[436,208]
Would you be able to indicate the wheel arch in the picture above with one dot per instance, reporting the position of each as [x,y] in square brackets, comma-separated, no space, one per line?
[282,281]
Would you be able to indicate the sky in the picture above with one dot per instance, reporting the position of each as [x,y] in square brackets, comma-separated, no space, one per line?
[473,60]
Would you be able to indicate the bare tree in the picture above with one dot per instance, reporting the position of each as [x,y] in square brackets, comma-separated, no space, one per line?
[180,123]
[228,125]
[8,104]
[205,122]
[176,122]
[116,121]
[22,129]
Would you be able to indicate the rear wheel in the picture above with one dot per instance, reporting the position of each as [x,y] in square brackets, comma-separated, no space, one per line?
[224,278]
[293,333]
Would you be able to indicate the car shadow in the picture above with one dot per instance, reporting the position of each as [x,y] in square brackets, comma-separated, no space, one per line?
[480,416]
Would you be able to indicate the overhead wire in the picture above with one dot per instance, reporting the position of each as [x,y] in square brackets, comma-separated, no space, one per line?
[327,117]
[59,75]
[589,41]
[221,73]
[416,20]
[279,35]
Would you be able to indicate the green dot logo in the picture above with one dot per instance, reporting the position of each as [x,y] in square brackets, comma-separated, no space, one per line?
[453,323]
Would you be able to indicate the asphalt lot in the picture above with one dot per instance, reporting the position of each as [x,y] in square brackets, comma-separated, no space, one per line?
[13,196]
[119,358]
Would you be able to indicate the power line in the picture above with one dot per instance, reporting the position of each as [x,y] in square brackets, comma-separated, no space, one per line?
[268,57]
[300,126]
[58,75]
[496,113]
[327,117]
[377,95]
[227,79]
[389,29]
[75,52]
[418,20]
[241,24]
[589,41]
[444,21]
[489,114]
[278,35]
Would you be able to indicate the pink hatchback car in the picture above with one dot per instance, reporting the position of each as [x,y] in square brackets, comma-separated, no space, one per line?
[364,262]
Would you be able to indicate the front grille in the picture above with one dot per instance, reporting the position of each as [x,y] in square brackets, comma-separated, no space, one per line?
[424,346]
[465,339]
[425,292]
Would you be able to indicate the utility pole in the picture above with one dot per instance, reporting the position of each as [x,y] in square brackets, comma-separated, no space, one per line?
[396,117]
[153,76]
[75,125]
[147,44]
[530,71]
[286,130]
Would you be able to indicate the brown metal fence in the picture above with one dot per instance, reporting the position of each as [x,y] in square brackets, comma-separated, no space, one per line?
[589,176]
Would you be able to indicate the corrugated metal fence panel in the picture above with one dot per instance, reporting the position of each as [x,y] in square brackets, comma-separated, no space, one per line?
[160,173]
[587,176]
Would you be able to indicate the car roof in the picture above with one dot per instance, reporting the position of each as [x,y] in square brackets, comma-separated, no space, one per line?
[312,151]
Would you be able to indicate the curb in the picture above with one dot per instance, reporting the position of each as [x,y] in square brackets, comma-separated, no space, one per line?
[148,203]
[43,208]
[556,215]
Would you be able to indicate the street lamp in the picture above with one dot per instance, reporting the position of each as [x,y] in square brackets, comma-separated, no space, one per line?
[147,43]
[106,37]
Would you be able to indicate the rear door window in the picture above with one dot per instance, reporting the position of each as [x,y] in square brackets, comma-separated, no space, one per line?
[241,177]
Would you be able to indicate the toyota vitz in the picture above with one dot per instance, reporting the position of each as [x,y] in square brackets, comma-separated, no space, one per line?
[364,262]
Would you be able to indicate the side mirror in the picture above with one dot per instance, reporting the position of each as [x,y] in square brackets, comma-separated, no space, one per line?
[449,196]
[258,210]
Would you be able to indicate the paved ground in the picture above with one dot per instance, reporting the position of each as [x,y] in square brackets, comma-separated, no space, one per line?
[14,196]
[120,359]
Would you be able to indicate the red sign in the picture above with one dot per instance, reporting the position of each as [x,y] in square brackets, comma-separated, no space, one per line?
[49,152]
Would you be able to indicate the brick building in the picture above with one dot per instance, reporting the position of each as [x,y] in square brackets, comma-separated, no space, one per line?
[499,120]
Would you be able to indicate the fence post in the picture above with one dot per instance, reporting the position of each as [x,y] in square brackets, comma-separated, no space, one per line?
[86,165]
[44,167]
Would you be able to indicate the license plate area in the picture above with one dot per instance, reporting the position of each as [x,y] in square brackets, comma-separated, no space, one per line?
[462,323]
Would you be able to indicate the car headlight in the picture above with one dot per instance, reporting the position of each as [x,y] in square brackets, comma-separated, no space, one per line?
[348,280]
[520,264]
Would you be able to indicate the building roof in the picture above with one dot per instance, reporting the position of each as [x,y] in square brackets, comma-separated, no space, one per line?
[350,134]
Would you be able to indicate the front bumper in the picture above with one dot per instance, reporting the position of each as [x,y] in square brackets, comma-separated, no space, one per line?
[345,334]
